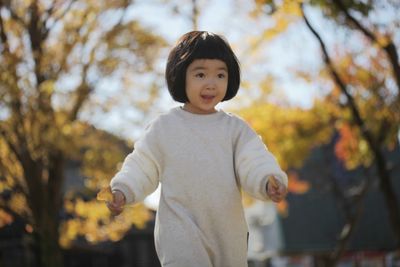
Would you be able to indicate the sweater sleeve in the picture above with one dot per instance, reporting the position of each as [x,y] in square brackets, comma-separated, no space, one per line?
[254,163]
[139,174]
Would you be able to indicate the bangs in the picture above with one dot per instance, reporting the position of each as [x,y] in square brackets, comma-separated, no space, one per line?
[209,47]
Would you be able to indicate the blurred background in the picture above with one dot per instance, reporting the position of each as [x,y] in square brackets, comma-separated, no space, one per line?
[80,80]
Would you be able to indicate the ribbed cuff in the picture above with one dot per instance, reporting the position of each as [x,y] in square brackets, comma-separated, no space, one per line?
[129,195]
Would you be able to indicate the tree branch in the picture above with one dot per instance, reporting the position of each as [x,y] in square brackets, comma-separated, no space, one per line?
[6,47]
[36,38]
[58,18]
[342,86]
[389,48]
[82,93]
[15,99]
[3,36]
[353,209]
[8,140]
[84,90]
[56,181]
[383,173]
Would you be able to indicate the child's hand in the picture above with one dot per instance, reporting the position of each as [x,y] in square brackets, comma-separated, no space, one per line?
[275,190]
[117,204]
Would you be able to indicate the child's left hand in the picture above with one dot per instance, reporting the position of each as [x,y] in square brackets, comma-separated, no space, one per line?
[275,190]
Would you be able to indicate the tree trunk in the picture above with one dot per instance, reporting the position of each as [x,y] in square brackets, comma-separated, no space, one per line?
[49,251]
[46,206]
[389,195]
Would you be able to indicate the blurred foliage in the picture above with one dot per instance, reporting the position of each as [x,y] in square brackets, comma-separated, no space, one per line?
[377,102]
[92,221]
[55,56]
[366,68]
[100,155]
[366,72]
[290,134]
[326,6]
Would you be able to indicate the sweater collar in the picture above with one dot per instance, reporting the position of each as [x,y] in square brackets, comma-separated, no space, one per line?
[198,117]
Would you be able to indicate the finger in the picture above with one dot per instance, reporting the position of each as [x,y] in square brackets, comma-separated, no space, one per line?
[119,198]
[275,199]
[116,212]
[281,189]
[113,207]
[272,180]
[116,207]
[117,203]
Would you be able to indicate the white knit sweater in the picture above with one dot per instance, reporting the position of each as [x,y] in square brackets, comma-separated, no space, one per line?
[202,162]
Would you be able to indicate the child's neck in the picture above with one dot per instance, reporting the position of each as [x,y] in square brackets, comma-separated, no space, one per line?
[189,108]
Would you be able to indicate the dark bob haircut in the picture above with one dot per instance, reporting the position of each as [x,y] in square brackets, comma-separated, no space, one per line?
[199,45]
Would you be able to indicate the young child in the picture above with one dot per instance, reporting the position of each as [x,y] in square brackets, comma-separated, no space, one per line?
[202,157]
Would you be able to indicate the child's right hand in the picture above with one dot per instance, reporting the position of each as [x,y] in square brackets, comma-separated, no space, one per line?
[116,206]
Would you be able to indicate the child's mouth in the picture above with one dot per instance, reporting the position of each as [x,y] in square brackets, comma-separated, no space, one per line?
[207,97]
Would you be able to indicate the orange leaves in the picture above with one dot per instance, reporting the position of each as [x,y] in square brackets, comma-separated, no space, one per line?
[290,134]
[368,81]
[348,143]
[5,218]
[297,186]
[283,208]
[351,149]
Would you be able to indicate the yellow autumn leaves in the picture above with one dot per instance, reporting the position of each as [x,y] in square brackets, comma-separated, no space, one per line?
[289,133]
[105,194]
[93,221]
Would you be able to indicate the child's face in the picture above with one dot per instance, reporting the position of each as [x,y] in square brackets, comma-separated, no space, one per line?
[206,85]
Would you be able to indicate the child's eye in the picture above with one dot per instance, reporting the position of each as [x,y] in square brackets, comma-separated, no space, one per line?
[221,75]
[200,75]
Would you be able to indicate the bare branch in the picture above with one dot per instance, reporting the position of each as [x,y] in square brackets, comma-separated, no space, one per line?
[82,93]
[195,14]
[364,30]
[58,18]
[389,48]
[56,179]
[383,173]
[14,90]
[36,39]
[3,36]
[84,90]
[8,140]
[342,86]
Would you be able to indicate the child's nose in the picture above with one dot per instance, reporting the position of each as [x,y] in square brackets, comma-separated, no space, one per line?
[211,83]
